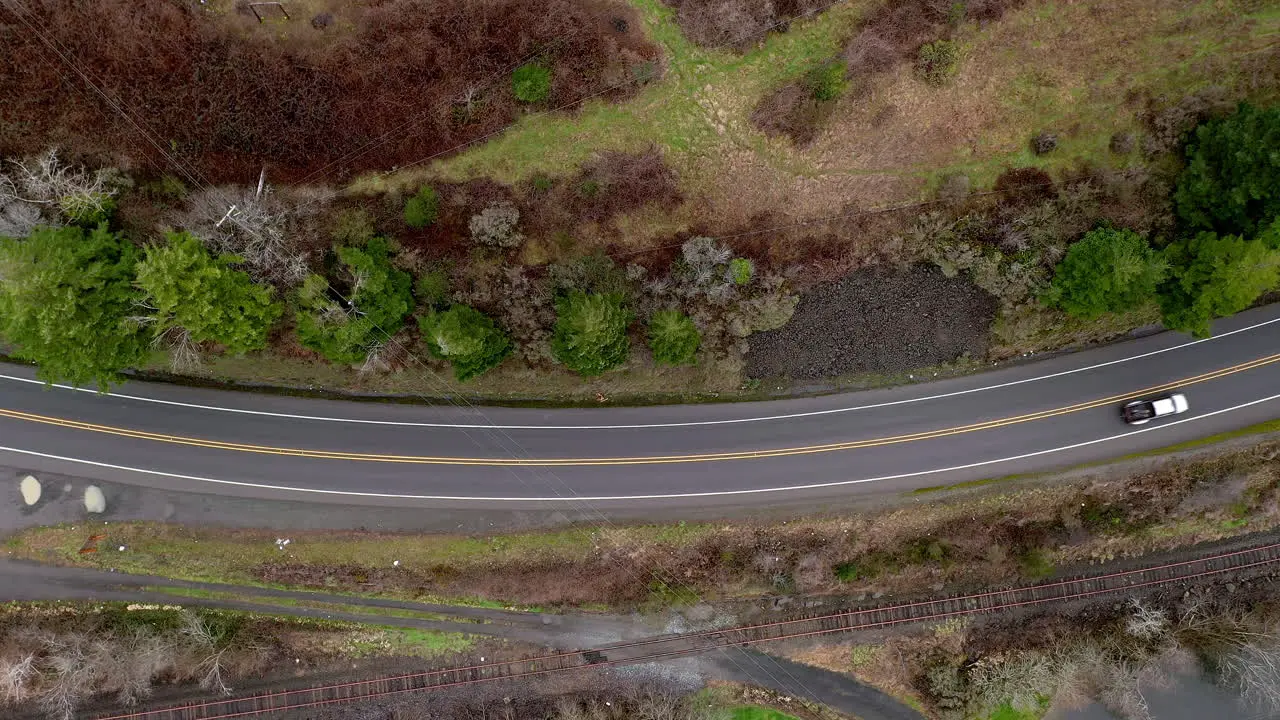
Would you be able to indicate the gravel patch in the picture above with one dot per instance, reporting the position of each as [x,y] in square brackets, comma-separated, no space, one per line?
[876,322]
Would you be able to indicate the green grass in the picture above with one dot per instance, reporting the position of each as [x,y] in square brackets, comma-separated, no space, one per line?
[287,602]
[408,641]
[755,712]
[235,556]
[1268,426]
[1007,712]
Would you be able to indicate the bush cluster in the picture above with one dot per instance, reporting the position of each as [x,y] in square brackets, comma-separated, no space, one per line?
[673,337]
[590,335]
[205,297]
[531,83]
[67,301]
[467,338]
[345,326]
[422,209]
[938,61]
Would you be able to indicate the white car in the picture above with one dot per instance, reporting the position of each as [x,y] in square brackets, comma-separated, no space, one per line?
[1139,412]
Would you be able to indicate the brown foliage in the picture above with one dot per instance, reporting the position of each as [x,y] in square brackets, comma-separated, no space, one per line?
[425,75]
[891,35]
[738,24]
[612,184]
[894,33]
[1024,185]
[791,110]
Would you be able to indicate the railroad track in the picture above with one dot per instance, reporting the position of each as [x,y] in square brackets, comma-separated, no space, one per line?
[671,646]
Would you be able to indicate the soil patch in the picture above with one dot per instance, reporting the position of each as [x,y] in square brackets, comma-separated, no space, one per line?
[875,322]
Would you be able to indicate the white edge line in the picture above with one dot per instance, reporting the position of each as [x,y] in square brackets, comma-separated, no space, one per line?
[729,421]
[671,496]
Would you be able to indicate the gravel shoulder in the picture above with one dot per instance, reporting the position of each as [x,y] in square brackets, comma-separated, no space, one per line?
[875,322]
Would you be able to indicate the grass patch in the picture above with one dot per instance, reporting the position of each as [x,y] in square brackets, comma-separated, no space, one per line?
[755,712]
[1268,426]
[287,602]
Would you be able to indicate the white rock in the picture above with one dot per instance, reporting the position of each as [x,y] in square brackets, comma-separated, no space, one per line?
[94,500]
[30,488]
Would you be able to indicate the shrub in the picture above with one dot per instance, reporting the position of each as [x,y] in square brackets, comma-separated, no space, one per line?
[467,338]
[353,227]
[1107,271]
[590,335]
[828,81]
[203,297]
[1232,180]
[345,329]
[741,270]
[496,226]
[938,61]
[422,209]
[1044,143]
[531,83]
[673,338]
[432,288]
[1212,276]
[87,209]
[66,296]
[768,311]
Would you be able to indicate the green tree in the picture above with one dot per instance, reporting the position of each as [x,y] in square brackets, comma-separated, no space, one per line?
[422,209]
[1232,180]
[1212,276]
[531,82]
[66,296]
[591,331]
[470,340]
[741,270]
[188,288]
[673,337]
[344,328]
[1107,271]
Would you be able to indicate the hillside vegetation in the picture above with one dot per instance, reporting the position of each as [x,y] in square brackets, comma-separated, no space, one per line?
[599,200]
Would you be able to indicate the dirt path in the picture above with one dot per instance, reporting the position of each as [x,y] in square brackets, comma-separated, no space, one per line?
[32,581]
[836,691]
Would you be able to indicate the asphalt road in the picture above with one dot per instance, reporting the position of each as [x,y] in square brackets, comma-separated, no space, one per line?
[1035,416]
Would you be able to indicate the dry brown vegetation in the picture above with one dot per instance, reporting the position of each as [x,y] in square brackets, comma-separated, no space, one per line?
[1109,652]
[890,36]
[739,24]
[400,81]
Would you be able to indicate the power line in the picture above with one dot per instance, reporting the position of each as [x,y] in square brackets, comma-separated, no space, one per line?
[506,442]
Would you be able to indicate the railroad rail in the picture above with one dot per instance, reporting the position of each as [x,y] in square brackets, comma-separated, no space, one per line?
[671,646]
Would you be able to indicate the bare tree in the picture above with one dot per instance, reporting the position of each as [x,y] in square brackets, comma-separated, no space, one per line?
[1146,623]
[71,675]
[211,643]
[16,676]
[253,225]
[1253,668]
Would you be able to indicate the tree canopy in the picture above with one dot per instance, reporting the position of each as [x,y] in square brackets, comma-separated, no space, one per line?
[345,326]
[470,340]
[66,299]
[1232,180]
[187,288]
[1214,275]
[673,337]
[590,336]
[1108,270]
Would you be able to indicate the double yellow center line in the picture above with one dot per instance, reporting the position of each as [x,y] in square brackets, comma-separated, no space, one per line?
[644,460]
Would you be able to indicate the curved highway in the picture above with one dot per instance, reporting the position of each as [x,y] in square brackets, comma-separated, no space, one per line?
[1034,416]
